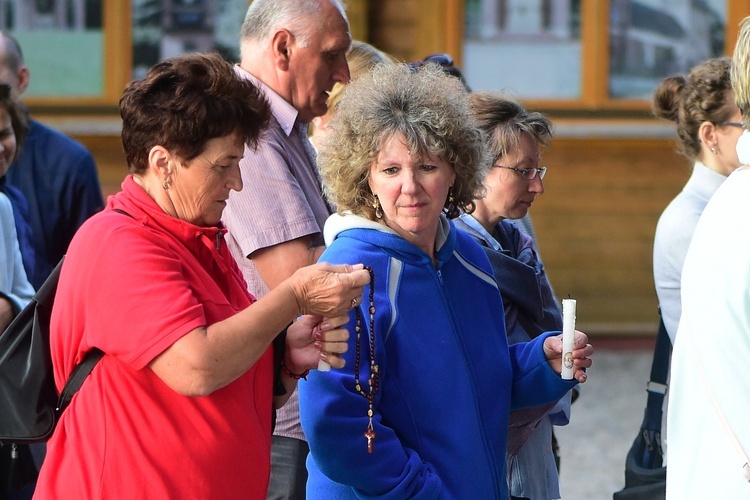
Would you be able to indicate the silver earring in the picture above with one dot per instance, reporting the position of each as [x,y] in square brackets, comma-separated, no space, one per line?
[713,150]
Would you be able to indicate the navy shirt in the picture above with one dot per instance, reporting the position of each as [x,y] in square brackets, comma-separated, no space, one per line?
[58,177]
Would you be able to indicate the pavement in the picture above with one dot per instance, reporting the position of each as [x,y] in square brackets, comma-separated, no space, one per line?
[604,420]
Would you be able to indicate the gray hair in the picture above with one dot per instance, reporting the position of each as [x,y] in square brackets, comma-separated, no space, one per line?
[428,107]
[740,74]
[300,17]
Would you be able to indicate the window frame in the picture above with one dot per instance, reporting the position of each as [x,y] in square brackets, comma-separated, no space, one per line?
[116,64]
[439,28]
[594,53]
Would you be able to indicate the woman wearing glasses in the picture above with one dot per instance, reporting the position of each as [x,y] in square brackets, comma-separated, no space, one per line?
[515,138]
[701,104]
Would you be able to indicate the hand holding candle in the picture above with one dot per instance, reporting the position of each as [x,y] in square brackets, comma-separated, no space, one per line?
[568,342]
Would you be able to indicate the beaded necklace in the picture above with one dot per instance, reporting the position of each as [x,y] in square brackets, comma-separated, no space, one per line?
[374,382]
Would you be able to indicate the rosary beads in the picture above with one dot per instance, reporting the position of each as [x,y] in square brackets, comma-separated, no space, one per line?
[374,381]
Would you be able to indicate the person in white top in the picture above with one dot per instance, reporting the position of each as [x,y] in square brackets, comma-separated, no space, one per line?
[701,104]
[709,403]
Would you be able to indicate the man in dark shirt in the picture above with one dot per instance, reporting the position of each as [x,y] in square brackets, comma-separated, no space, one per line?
[56,174]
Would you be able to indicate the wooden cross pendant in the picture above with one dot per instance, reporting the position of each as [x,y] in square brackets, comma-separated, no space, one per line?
[370,435]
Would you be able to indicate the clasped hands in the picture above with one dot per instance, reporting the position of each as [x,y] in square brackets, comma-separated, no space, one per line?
[325,294]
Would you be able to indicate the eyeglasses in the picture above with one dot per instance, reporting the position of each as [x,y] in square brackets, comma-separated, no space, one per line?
[527,173]
[732,124]
[4,91]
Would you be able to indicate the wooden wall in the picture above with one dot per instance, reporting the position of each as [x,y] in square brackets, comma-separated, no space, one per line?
[595,226]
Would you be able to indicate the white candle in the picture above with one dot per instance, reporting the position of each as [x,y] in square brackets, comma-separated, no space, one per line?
[568,342]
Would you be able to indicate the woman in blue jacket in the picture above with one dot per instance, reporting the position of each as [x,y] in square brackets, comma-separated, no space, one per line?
[421,408]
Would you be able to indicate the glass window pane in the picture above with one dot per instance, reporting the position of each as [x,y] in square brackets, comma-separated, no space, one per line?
[168,28]
[652,39]
[62,44]
[531,48]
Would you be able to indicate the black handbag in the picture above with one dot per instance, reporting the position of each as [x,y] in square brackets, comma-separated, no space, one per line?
[645,476]
[28,398]
[27,387]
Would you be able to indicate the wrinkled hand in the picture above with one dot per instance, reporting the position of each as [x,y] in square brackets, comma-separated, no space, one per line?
[328,290]
[581,352]
[313,338]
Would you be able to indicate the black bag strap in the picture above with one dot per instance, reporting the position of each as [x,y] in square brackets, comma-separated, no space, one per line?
[83,369]
[657,385]
[80,372]
[647,450]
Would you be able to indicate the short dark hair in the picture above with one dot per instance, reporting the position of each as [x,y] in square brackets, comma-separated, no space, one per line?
[504,120]
[184,102]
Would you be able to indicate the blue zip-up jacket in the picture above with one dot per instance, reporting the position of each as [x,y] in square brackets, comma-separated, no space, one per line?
[447,376]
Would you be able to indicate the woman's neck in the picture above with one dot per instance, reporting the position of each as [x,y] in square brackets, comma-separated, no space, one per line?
[156,192]
[484,216]
[711,162]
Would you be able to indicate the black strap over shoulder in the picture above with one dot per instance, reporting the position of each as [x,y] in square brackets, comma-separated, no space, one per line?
[657,386]
[651,453]
[76,379]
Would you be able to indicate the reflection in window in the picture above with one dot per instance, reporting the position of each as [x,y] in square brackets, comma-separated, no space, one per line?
[168,28]
[651,39]
[62,44]
[531,48]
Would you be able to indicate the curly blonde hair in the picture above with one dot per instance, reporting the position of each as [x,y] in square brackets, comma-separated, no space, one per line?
[428,107]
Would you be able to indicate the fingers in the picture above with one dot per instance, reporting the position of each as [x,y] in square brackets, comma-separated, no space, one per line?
[580,338]
[360,277]
[342,268]
[332,343]
[581,358]
[332,360]
[331,323]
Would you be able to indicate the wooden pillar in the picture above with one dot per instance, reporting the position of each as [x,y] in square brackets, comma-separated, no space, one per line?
[737,10]
[358,13]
